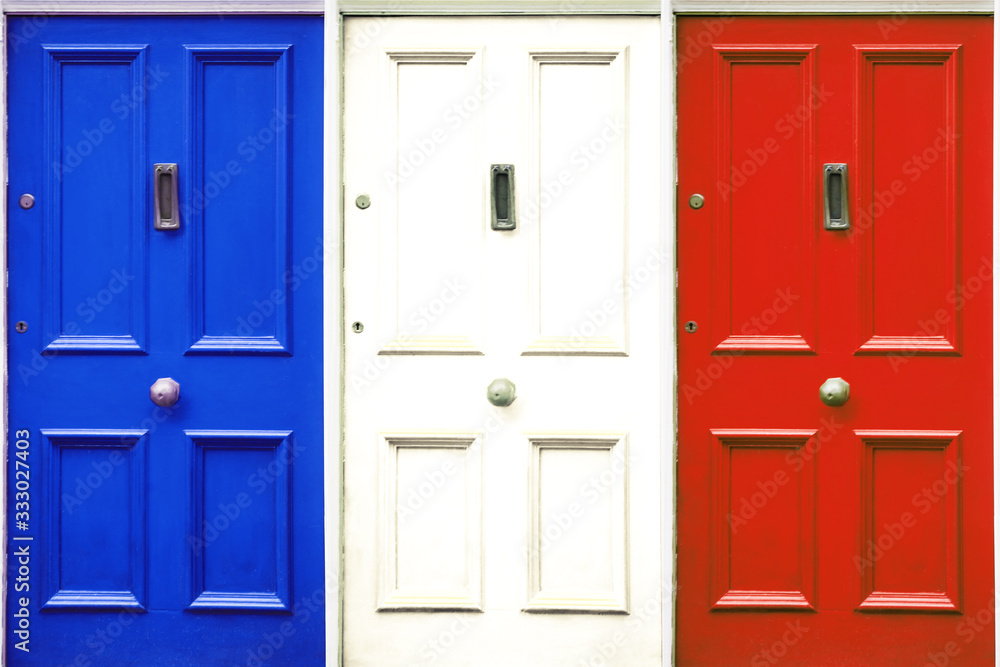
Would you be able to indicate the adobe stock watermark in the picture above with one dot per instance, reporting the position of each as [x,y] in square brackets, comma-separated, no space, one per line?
[896,18]
[767,489]
[306,607]
[914,167]
[121,107]
[228,513]
[359,40]
[581,159]
[757,325]
[433,481]
[438,645]
[249,149]
[560,522]
[88,310]
[99,641]
[649,611]
[29,27]
[421,493]
[596,318]
[692,48]
[294,278]
[453,118]
[786,127]
[922,501]
[794,631]
[959,298]
[87,484]
[967,629]
[420,320]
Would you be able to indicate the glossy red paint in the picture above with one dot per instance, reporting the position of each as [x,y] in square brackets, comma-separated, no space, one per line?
[810,534]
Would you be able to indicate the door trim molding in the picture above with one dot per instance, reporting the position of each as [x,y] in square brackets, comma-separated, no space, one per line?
[52,7]
[478,7]
[346,7]
[888,7]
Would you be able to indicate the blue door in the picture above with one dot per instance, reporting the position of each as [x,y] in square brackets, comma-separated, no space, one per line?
[165,221]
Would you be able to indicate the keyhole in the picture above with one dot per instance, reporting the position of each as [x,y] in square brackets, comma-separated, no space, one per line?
[21,326]
[357,327]
[691,326]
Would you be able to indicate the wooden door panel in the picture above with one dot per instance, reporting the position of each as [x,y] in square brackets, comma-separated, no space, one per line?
[167,524]
[764,277]
[764,516]
[237,189]
[577,245]
[907,228]
[431,522]
[464,520]
[910,485]
[97,473]
[94,301]
[430,298]
[814,534]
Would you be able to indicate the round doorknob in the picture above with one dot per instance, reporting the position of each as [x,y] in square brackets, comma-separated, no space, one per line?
[501,392]
[835,391]
[165,392]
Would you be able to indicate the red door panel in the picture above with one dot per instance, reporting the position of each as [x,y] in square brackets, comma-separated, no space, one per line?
[808,533]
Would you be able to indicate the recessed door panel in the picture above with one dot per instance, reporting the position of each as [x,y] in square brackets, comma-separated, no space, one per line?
[94,257]
[764,523]
[97,519]
[909,207]
[239,199]
[578,142]
[763,285]
[430,296]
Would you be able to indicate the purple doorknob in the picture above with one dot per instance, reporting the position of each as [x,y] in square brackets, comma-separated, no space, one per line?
[165,392]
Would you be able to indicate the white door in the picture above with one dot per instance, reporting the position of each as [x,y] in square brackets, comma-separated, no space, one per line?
[477,534]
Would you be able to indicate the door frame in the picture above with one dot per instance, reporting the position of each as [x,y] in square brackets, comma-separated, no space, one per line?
[333,322]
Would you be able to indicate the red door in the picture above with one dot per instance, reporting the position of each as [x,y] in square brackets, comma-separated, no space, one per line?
[813,533]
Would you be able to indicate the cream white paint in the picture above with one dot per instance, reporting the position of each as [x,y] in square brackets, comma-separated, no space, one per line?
[668,349]
[468,524]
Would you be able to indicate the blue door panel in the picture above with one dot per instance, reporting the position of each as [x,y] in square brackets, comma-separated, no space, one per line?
[239,192]
[84,139]
[190,534]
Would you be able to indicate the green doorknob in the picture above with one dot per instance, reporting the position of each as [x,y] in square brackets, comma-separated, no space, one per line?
[501,392]
[835,391]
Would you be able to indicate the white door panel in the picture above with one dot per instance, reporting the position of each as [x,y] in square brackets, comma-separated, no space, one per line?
[527,534]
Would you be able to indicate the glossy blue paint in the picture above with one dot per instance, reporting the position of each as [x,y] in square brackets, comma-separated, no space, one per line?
[189,535]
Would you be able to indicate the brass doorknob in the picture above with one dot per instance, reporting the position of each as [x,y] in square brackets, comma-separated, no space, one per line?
[501,392]
[165,392]
[835,391]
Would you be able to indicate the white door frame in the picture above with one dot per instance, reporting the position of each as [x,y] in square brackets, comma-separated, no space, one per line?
[335,10]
